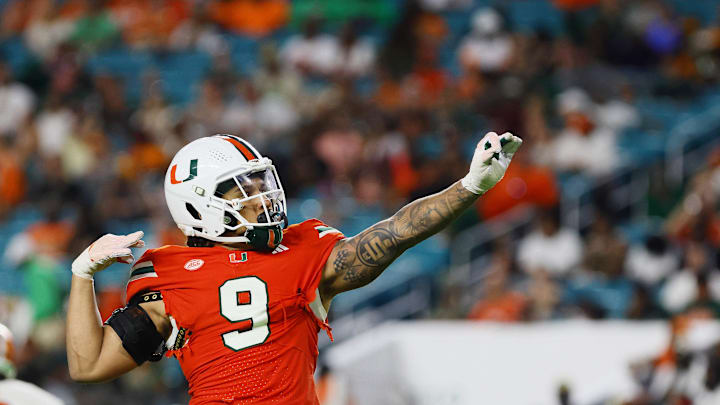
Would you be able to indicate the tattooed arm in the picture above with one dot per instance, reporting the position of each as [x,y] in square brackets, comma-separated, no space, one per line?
[355,262]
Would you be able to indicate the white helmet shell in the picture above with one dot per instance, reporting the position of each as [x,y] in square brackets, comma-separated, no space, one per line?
[7,369]
[196,202]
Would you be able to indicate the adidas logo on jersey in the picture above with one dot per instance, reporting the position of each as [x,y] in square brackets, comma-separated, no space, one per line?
[281,248]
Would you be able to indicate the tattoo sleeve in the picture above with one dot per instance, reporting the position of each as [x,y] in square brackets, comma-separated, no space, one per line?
[359,260]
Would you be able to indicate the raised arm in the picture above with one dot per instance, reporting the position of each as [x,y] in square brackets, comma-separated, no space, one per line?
[95,351]
[355,262]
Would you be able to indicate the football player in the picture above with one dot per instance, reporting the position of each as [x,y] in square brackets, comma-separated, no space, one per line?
[12,390]
[241,305]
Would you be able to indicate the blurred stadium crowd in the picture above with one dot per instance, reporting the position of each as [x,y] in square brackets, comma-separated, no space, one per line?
[365,105]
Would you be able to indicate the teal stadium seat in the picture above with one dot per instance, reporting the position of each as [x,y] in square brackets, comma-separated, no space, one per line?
[16,54]
[245,51]
[704,10]
[639,147]
[125,64]
[531,15]
[181,73]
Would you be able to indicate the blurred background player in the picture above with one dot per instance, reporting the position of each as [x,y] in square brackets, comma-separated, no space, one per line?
[12,390]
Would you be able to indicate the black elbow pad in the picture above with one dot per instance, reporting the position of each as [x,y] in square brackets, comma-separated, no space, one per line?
[137,331]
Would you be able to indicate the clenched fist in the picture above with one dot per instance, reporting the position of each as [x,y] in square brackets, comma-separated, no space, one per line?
[492,157]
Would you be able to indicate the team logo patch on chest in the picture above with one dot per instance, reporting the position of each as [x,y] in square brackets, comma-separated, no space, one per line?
[235,258]
[194,264]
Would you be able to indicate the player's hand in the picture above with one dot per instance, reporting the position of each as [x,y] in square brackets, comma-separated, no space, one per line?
[492,157]
[106,251]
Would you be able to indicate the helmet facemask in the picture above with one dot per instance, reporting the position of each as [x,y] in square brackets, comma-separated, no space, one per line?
[257,185]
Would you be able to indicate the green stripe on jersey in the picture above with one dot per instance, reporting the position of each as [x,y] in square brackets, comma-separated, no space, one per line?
[325,230]
[143,270]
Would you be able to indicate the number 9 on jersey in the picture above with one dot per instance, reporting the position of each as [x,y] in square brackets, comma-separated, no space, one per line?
[255,310]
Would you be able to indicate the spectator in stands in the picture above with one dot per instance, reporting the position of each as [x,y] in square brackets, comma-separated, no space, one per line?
[12,176]
[710,391]
[67,72]
[651,262]
[663,33]
[240,116]
[55,124]
[549,247]
[16,103]
[696,216]
[618,113]
[205,116]
[47,30]
[705,44]
[581,135]
[572,5]
[147,24]
[601,288]
[263,116]
[272,78]
[604,248]
[355,57]
[682,287]
[250,17]
[705,305]
[544,295]
[276,116]
[311,52]
[37,252]
[428,80]
[337,145]
[442,5]
[379,12]
[499,302]
[111,100]
[524,184]
[158,120]
[96,29]
[450,302]
[643,305]
[198,32]
[331,389]
[488,48]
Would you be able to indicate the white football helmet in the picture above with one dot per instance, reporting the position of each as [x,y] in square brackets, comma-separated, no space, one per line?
[7,369]
[204,170]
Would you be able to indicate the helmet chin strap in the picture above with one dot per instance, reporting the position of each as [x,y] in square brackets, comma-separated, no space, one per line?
[267,237]
[258,237]
[264,238]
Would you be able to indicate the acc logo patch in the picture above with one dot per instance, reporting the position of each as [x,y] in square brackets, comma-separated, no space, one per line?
[194,264]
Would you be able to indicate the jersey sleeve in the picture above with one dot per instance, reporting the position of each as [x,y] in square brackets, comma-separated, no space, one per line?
[318,242]
[143,276]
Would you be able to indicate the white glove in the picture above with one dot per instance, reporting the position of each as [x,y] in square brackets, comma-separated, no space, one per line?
[106,251]
[492,157]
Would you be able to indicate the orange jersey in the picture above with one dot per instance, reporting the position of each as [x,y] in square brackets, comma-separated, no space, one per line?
[250,319]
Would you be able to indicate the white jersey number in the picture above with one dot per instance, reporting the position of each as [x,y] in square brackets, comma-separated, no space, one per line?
[254,309]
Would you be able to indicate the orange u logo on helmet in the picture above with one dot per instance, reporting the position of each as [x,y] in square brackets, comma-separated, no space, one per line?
[192,175]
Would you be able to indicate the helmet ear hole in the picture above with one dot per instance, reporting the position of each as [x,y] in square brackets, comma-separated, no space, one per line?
[229,220]
[193,212]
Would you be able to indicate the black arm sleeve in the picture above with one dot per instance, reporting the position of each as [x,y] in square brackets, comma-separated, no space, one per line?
[137,331]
